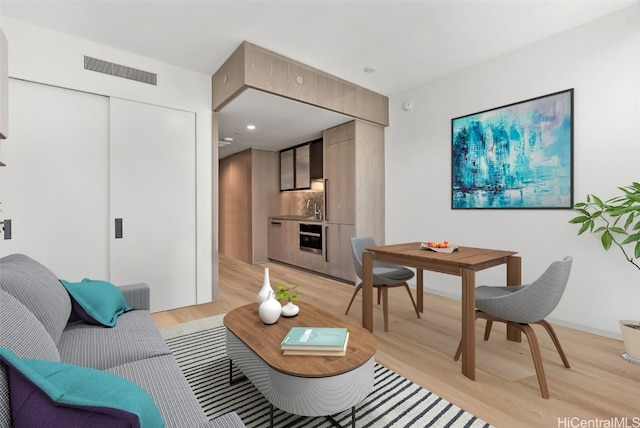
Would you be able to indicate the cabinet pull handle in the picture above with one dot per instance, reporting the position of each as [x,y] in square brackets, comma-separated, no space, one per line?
[326,199]
[276,223]
[326,243]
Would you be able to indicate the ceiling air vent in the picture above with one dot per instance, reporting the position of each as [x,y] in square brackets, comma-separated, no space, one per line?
[118,70]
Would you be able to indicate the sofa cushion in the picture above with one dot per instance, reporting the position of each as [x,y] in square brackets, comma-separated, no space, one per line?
[37,288]
[134,337]
[54,394]
[172,394]
[21,332]
[96,302]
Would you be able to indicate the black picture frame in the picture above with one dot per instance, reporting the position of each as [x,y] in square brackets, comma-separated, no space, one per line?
[517,156]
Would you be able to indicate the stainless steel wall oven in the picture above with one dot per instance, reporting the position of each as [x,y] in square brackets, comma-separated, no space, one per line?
[311,237]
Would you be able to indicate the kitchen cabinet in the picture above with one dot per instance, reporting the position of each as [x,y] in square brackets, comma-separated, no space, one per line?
[303,167]
[287,166]
[354,191]
[283,241]
[301,164]
[316,160]
[338,257]
[353,168]
[284,245]
[339,184]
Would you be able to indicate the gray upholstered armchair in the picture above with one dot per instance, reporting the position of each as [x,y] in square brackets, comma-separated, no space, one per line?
[520,306]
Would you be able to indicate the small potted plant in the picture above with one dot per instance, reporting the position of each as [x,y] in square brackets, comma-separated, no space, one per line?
[291,295]
[617,222]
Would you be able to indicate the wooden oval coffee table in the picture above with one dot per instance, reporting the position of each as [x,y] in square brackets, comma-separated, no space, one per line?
[301,384]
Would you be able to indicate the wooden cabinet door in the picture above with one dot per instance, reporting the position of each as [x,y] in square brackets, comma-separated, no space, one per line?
[339,168]
[303,167]
[338,258]
[287,165]
[283,240]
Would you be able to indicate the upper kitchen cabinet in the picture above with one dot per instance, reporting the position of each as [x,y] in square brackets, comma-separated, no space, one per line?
[317,160]
[4,83]
[300,165]
[287,169]
[303,172]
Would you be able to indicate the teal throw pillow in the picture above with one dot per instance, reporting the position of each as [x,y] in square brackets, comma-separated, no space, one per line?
[54,394]
[96,302]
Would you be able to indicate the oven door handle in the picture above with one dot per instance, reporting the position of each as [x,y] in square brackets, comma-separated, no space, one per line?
[315,235]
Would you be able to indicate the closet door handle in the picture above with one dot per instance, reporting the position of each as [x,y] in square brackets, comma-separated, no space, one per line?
[118,224]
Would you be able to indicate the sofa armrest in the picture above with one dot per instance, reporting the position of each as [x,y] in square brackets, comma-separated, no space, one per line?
[228,420]
[138,296]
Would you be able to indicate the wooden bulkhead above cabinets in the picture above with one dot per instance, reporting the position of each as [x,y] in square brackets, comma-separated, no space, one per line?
[251,66]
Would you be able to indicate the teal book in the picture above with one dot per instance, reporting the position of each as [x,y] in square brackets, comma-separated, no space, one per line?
[315,338]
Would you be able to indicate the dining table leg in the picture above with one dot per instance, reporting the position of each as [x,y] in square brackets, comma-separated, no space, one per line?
[514,277]
[468,323]
[367,290]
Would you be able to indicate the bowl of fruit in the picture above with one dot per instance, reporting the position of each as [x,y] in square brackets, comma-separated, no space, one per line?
[439,247]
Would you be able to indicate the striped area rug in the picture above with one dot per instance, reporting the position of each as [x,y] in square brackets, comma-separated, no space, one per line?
[199,348]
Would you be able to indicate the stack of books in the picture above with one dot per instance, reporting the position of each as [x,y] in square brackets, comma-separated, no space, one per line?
[329,341]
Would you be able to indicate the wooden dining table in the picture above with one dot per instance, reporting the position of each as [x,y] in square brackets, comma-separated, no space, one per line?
[463,262]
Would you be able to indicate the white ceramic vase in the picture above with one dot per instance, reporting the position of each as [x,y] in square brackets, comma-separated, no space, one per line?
[290,310]
[270,310]
[266,289]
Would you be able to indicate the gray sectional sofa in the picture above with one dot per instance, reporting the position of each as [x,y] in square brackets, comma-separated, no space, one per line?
[36,323]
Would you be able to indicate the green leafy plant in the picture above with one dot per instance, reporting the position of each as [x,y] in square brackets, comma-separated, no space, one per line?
[616,220]
[288,293]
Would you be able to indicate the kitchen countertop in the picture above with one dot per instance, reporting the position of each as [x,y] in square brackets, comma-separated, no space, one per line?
[296,218]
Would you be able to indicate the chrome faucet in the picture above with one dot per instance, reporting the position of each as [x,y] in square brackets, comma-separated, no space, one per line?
[316,211]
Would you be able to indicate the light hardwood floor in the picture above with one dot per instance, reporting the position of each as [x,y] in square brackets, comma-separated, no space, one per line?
[599,388]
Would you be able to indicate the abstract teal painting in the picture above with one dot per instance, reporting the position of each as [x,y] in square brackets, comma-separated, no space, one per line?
[515,156]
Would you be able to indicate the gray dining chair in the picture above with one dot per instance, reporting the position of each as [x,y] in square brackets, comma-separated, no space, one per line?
[520,306]
[385,276]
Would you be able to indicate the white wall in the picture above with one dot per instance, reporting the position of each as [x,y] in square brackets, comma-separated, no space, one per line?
[41,55]
[601,60]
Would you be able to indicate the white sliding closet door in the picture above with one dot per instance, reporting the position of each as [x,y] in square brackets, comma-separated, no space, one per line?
[54,187]
[153,191]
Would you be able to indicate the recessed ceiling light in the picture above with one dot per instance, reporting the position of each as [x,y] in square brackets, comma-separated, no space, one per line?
[251,127]
[370,69]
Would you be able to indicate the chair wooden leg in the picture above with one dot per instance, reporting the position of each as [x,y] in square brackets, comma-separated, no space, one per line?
[456,357]
[379,293]
[355,293]
[458,351]
[487,329]
[556,342]
[537,358]
[413,302]
[385,306]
